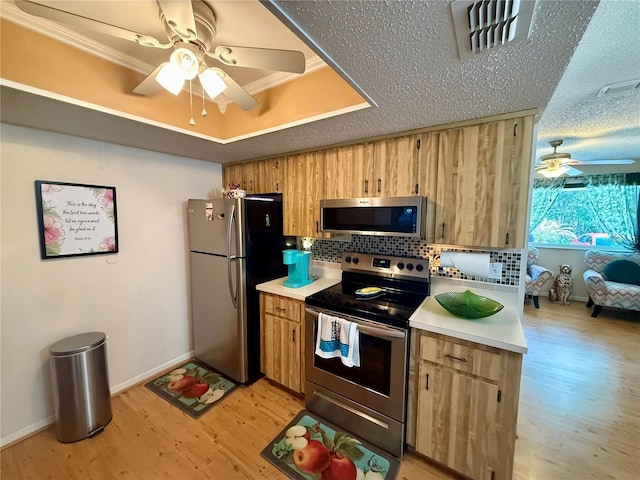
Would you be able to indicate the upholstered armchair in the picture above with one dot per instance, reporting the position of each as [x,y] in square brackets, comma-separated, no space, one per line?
[536,277]
[612,280]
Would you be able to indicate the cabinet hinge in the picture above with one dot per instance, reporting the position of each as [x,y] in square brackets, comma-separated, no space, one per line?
[499,395]
[418,143]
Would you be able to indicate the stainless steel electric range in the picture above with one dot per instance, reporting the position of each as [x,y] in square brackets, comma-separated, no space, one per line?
[369,400]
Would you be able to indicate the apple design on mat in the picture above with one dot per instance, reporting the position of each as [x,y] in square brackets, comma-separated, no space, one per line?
[181,385]
[340,468]
[297,437]
[314,458]
[198,389]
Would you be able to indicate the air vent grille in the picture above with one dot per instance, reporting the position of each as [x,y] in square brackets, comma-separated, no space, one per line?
[483,24]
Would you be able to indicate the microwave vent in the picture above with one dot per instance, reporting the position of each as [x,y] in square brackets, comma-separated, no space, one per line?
[485,24]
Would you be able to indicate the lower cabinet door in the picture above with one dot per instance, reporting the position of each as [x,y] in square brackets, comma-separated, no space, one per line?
[282,352]
[456,421]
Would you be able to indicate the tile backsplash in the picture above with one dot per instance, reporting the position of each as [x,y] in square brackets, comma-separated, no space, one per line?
[331,251]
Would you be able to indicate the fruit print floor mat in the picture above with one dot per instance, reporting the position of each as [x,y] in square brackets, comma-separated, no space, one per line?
[194,388]
[310,448]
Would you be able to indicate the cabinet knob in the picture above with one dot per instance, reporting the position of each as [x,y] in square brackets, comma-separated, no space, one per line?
[506,239]
[442,229]
[366,186]
[293,335]
[379,185]
[280,309]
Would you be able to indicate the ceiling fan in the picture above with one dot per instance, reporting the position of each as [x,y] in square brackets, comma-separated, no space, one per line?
[557,164]
[191,29]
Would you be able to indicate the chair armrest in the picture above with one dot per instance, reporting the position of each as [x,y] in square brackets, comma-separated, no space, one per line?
[540,274]
[596,286]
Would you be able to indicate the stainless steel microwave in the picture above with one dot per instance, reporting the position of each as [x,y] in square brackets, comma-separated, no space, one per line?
[396,216]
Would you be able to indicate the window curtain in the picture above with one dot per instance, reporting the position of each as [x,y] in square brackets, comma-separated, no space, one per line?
[545,194]
[618,193]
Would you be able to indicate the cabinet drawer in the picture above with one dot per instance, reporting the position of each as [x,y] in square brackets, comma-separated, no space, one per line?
[283,307]
[480,360]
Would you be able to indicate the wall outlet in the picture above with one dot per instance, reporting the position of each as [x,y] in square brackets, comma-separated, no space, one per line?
[495,270]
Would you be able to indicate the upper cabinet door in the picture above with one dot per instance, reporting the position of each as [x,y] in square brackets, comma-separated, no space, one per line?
[426,159]
[269,176]
[395,169]
[349,171]
[303,190]
[482,184]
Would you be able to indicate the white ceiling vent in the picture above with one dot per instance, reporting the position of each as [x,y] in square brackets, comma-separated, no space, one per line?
[483,24]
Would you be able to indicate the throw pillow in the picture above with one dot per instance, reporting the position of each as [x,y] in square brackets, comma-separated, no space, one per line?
[622,271]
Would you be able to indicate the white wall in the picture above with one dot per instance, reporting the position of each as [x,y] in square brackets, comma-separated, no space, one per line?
[138,297]
[552,258]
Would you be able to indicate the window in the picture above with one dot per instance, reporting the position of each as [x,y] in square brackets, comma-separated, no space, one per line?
[589,211]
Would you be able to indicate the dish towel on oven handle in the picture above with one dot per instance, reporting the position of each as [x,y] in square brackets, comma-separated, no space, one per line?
[338,337]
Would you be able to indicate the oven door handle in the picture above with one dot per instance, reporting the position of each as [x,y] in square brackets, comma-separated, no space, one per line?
[373,331]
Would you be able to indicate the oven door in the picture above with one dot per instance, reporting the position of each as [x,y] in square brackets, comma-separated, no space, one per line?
[379,383]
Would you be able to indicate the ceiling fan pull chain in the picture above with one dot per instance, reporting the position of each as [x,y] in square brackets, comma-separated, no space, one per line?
[204,110]
[192,122]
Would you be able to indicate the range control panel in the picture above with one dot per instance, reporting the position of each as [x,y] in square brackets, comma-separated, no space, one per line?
[384,264]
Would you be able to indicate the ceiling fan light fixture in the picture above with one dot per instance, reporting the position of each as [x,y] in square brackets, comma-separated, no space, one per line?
[211,82]
[186,62]
[171,79]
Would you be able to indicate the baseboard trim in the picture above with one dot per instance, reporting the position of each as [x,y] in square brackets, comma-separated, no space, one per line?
[45,423]
[132,382]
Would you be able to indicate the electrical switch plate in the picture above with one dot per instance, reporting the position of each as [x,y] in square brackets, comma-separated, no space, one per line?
[495,270]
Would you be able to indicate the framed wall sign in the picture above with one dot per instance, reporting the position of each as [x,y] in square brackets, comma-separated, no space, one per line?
[75,219]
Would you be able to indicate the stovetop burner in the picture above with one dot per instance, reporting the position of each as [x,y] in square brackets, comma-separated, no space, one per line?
[405,282]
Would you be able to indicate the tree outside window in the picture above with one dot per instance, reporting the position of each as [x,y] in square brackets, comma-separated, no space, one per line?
[591,211]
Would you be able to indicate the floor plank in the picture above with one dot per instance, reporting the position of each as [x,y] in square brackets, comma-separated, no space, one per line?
[579,418]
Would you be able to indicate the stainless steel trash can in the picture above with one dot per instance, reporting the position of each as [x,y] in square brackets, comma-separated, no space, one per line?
[81,386]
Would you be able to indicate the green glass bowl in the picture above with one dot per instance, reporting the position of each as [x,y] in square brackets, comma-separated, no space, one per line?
[468,305]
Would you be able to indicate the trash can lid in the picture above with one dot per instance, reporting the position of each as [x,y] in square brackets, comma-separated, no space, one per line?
[78,343]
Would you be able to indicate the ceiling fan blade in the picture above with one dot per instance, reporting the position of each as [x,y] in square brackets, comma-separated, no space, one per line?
[262,58]
[612,161]
[149,86]
[179,17]
[236,93]
[90,24]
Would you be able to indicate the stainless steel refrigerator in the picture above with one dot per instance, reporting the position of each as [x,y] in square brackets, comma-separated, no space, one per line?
[235,244]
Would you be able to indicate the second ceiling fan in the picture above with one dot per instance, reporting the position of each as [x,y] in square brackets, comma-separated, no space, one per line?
[557,164]
[191,28]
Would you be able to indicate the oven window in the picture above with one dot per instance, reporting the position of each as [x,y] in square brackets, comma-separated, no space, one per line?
[374,371]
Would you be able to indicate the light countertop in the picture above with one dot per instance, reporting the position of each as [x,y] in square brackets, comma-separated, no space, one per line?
[277,288]
[501,330]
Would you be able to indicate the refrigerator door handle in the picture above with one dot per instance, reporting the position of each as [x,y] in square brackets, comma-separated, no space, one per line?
[231,258]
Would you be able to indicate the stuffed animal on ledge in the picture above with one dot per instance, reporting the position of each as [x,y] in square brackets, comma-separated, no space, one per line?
[562,286]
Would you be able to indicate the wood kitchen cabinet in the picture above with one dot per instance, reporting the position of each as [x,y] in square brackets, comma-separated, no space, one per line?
[349,171]
[304,176]
[483,183]
[383,168]
[426,153]
[463,404]
[282,341]
[263,176]
[395,167]
[474,174]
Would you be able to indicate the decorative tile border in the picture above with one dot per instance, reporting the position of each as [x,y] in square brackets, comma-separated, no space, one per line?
[331,251]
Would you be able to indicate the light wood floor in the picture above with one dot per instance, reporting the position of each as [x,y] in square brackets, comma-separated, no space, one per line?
[579,418]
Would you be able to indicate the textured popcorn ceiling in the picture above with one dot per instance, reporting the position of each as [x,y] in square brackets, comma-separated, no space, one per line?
[594,127]
[403,55]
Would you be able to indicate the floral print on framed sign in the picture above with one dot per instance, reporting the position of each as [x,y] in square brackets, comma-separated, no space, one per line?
[75,219]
